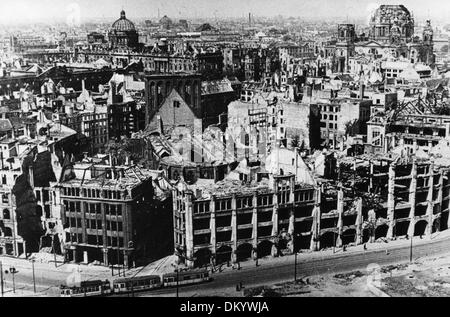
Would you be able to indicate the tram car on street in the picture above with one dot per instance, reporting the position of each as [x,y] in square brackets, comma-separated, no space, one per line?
[87,289]
[186,278]
[137,284]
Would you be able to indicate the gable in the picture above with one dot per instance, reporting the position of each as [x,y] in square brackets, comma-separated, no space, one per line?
[173,112]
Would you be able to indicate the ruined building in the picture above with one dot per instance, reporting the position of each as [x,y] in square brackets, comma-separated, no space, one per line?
[110,214]
[228,221]
[370,198]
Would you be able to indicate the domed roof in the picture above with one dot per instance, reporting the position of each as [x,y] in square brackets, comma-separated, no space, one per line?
[123,24]
[390,13]
[165,20]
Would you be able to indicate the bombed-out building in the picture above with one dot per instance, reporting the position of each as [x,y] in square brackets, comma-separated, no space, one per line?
[231,221]
[110,214]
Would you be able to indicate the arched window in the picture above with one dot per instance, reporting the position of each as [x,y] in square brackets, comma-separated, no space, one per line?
[7,232]
[6,214]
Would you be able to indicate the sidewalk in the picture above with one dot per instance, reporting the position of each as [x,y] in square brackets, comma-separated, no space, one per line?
[307,256]
[48,277]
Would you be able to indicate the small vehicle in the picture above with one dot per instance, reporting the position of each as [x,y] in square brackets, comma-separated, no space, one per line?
[87,289]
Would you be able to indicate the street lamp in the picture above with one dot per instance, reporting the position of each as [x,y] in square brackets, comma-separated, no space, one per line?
[178,278]
[411,249]
[295,253]
[34,277]
[1,278]
[54,250]
[295,267]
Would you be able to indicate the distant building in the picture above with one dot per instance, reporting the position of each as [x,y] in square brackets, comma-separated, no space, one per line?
[123,33]
[96,38]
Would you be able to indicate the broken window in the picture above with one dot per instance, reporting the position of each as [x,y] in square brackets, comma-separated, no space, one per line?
[5,198]
[7,232]
[6,214]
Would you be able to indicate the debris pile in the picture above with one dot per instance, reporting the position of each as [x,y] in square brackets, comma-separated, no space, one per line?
[390,268]
[348,278]
[46,257]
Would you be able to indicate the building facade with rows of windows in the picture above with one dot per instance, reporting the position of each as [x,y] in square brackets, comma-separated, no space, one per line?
[101,208]
[231,222]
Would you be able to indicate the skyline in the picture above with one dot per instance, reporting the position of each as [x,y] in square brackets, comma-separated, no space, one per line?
[23,11]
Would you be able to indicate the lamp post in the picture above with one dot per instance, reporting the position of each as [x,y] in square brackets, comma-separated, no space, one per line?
[118,259]
[54,250]
[34,277]
[295,268]
[295,256]
[1,278]
[411,250]
[178,278]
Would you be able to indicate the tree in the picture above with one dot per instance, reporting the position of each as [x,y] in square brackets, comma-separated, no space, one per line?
[295,143]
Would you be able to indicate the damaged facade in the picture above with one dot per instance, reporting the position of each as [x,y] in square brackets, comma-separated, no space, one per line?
[110,215]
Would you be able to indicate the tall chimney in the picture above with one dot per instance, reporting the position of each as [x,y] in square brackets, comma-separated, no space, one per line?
[361,91]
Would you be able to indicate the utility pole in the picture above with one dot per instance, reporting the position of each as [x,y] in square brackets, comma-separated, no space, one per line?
[1,278]
[178,278]
[295,268]
[34,277]
[411,250]
[118,259]
[334,242]
[54,251]
[296,254]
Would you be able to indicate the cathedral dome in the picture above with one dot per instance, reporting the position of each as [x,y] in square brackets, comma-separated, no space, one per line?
[392,23]
[123,24]
[390,13]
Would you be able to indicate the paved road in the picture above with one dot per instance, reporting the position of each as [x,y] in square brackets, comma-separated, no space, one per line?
[273,272]
[47,277]
[270,271]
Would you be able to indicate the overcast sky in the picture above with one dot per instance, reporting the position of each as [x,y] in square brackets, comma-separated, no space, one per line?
[25,10]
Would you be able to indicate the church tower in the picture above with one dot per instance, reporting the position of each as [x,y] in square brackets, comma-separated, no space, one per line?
[345,46]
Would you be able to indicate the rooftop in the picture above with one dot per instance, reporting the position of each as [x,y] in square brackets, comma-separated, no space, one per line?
[227,188]
[95,176]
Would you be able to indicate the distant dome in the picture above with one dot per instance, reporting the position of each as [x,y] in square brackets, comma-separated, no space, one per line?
[392,13]
[392,24]
[165,20]
[205,27]
[123,24]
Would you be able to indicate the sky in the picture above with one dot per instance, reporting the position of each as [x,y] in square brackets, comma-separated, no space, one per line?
[30,10]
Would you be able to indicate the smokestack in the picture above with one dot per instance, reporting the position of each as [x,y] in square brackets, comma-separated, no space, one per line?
[249,19]
[361,91]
